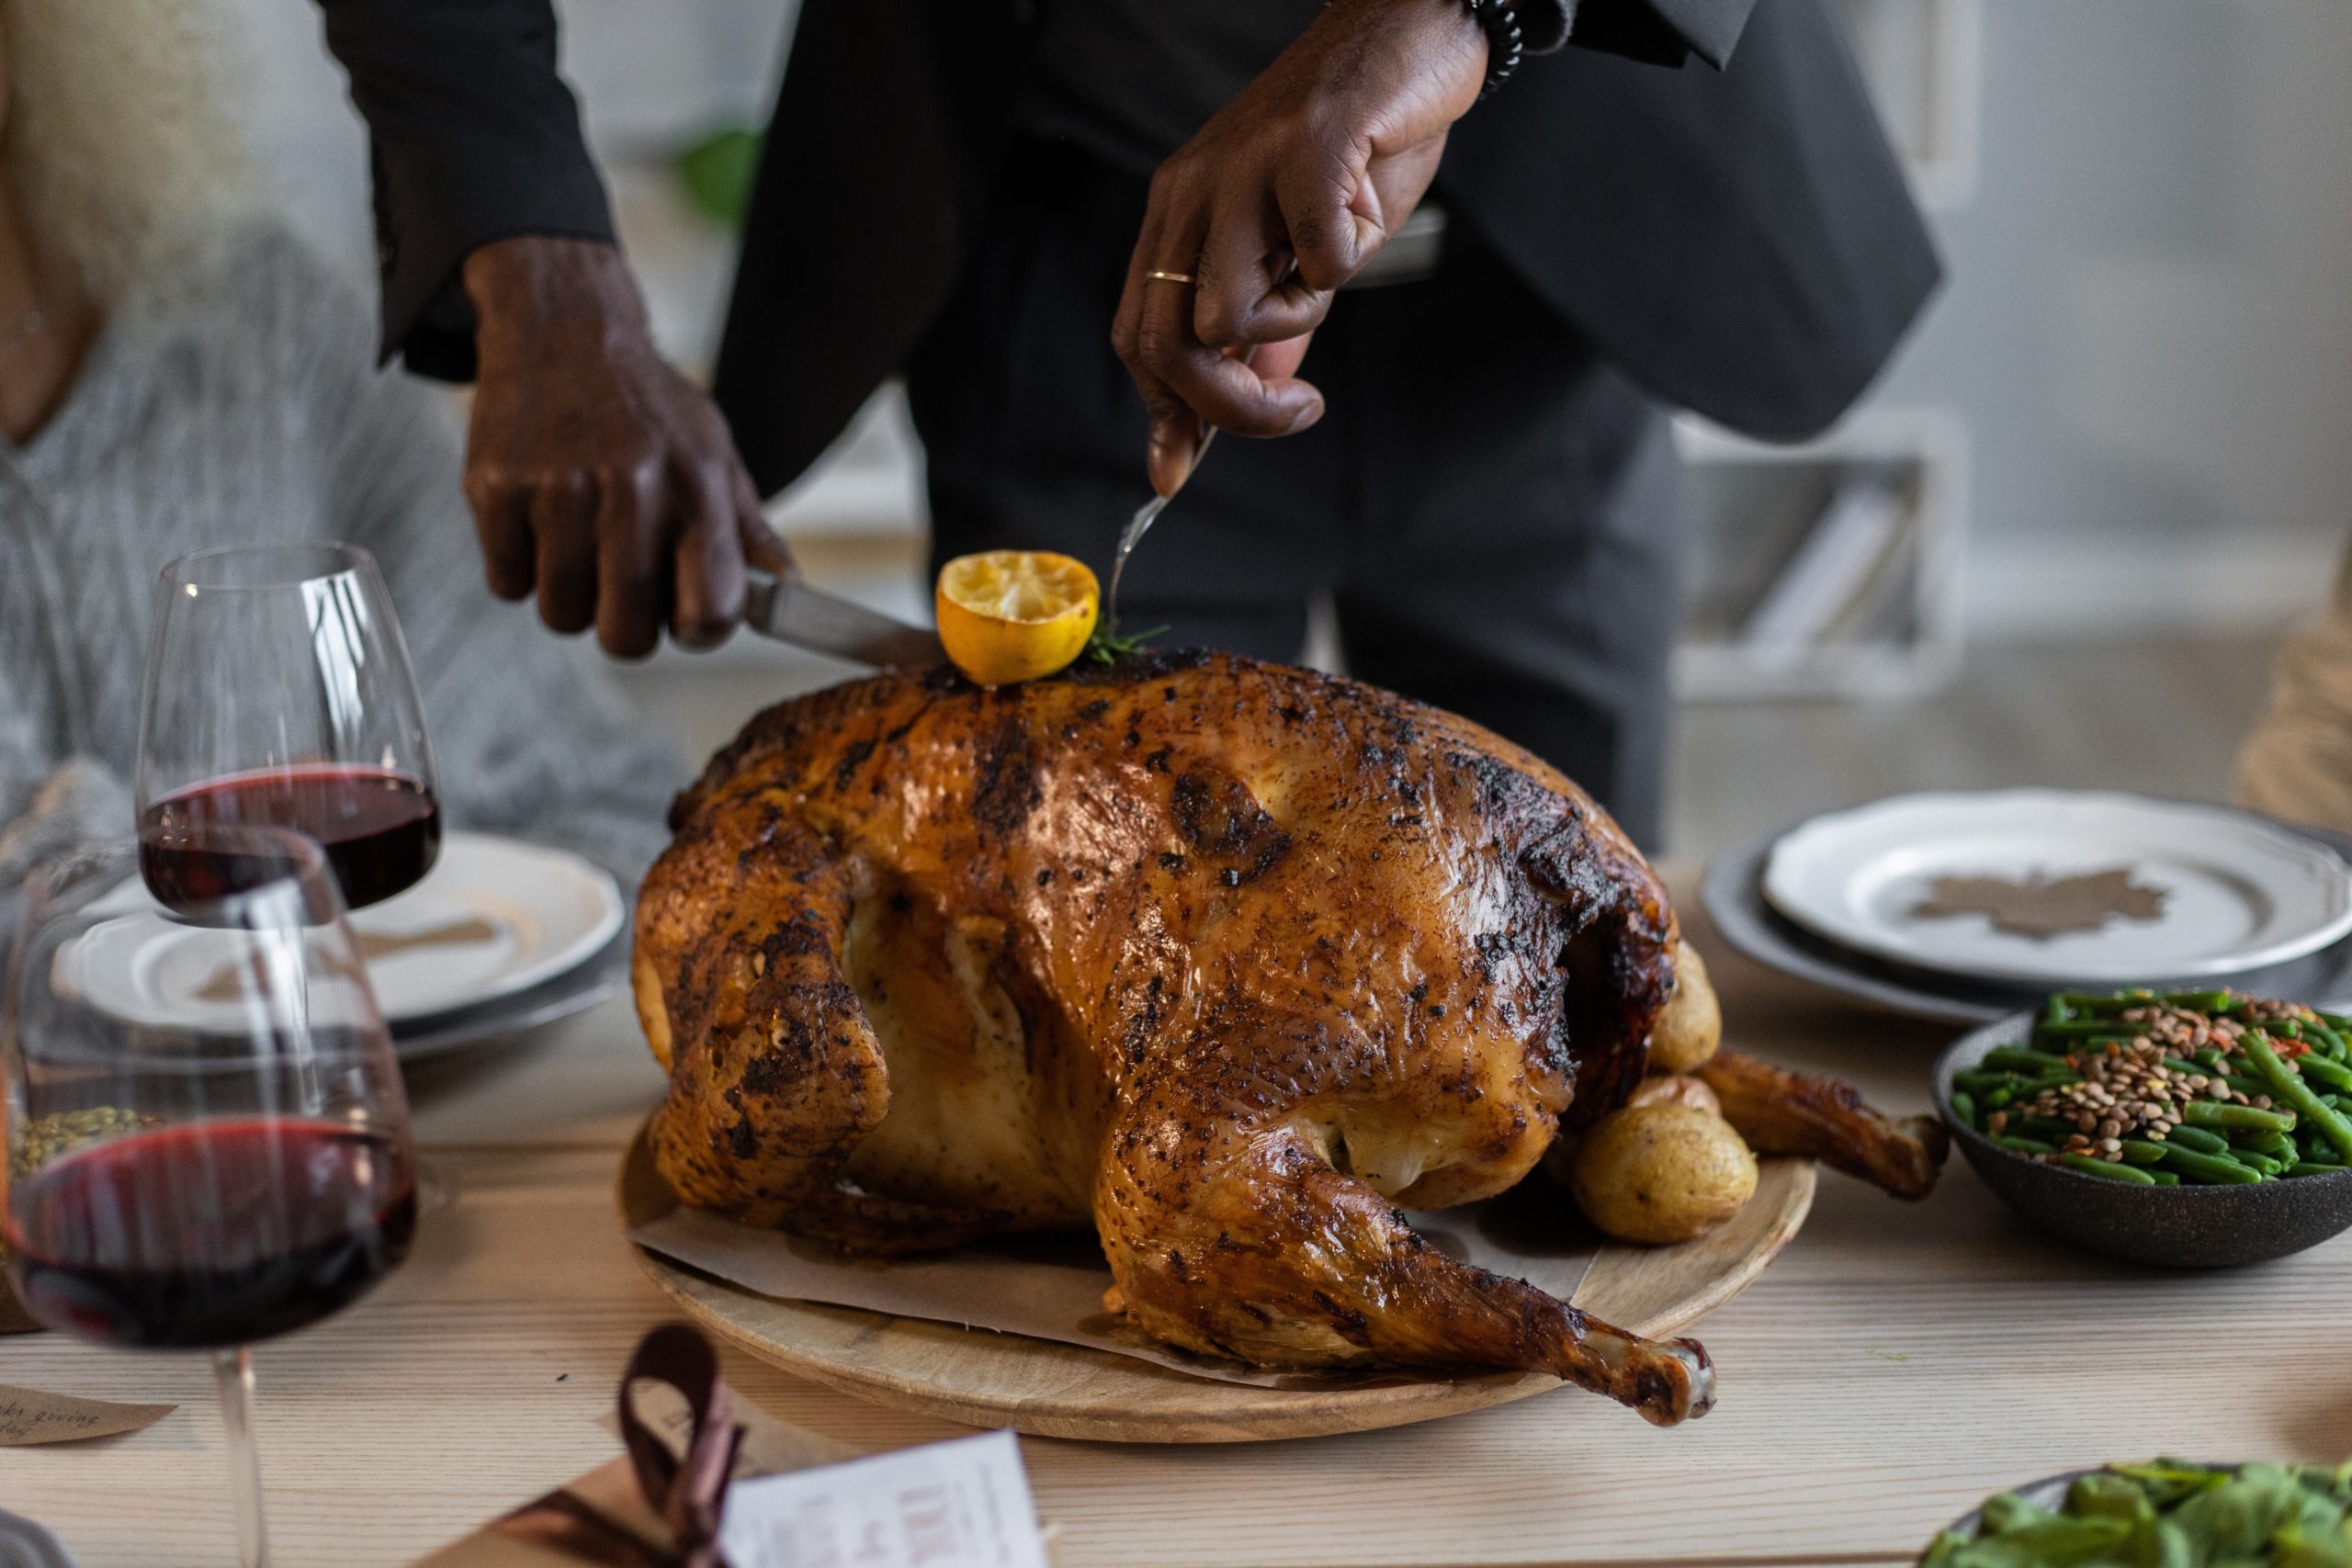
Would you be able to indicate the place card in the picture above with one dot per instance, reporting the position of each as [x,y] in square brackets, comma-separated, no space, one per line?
[29,1415]
[963,1504]
[771,1450]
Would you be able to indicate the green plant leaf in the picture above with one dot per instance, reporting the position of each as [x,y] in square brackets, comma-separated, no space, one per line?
[717,174]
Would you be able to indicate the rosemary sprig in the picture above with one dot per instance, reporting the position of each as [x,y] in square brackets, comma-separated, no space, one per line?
[1106,646]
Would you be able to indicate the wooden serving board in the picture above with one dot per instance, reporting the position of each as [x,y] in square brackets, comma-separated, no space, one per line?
[985,1378]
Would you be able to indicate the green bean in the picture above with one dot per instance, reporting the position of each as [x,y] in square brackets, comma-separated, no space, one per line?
[2326,1041]
[2245,1085]
[2210,1056]
[1963,1108]
[2186,1068]
[2049,1127]
[2321,1069]
[2277,1146]
[2025,1145]
[1977,1081]
[2087,1029]
[2340,1022]
[2212,1113]
[1999,1099]
[2198,1001]
[2102,1168]
[2261,1164]
[2198,1140]
[2291,1088]
[2164,1178]
[2314,1168]
[2139,1151]
[2196,1166]
[2106,1006]
[2026,1059]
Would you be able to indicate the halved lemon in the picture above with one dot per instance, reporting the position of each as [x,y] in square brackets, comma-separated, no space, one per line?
[1008,615]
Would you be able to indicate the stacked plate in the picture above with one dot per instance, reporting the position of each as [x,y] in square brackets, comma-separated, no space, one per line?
[502,937]
[1969,907]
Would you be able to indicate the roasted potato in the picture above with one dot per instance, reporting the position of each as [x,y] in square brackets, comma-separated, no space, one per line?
[1675,1089]
[1691,1024]
[1560,1159]
[1666,1171]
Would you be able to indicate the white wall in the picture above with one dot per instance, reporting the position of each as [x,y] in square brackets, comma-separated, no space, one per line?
[2149,326]
[652,75]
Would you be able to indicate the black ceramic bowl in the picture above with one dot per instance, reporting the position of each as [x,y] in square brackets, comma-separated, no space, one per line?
[2176,1227]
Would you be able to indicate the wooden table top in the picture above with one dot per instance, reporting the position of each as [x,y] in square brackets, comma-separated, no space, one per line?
[1893,1366]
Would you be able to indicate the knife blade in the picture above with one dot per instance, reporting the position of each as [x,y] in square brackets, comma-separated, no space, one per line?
[791,611]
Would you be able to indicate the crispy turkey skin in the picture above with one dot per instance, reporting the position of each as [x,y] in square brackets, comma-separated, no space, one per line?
[1226,959]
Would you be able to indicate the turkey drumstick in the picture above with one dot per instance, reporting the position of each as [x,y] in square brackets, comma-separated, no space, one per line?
[1231,1233]
[1777,1111]
[1782,1112]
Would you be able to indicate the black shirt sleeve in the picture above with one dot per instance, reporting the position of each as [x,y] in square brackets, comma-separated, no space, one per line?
[1543,23]
[1662,32]
[474,138]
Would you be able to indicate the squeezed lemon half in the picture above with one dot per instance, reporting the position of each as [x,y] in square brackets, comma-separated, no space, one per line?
[1007,615]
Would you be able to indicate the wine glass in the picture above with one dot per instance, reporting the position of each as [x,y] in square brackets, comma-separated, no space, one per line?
[208,1139]
[278,693]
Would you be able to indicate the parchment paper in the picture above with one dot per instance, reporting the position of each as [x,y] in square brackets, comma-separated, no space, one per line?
[1051,1287]
[29,1415]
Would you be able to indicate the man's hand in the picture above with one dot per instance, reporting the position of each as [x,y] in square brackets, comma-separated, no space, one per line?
[598,475]
[1280,199]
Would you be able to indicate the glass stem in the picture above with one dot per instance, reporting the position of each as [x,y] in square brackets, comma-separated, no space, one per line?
[235,1370]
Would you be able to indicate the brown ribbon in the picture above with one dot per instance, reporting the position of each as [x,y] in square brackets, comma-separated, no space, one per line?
[688,1495]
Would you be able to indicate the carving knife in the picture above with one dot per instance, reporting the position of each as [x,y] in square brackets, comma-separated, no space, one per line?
[791,611]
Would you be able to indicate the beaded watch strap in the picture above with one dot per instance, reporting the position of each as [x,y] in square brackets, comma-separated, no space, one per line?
[1505,42]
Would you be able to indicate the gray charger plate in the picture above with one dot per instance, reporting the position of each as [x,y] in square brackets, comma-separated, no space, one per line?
[1733,893]
[559,997]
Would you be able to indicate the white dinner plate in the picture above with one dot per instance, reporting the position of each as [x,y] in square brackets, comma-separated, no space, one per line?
[494,918]
[2220,892]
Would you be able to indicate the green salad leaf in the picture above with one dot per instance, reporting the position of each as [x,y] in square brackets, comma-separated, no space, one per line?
[2167,1515]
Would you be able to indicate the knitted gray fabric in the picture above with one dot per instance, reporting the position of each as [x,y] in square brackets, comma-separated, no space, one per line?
[249,410]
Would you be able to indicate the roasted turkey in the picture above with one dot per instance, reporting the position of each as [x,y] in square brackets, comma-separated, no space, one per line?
[1229,961]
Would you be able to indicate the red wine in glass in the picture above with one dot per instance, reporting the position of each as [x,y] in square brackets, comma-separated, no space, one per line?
[279,697]
[213,1184]
[210,1233]
[380,829]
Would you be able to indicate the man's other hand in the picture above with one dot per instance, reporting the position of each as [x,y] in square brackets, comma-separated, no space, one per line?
[1279,200]
[599,477]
